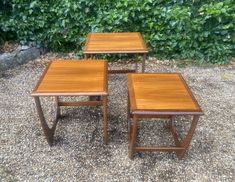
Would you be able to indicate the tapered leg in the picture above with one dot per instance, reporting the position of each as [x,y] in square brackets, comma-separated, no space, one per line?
[49,132]
[58,113]
[173,130]
[143,63]
[105,115]
[133,136]
[185,143]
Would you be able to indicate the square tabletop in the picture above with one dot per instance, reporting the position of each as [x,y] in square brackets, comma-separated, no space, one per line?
[131,42]
[73,77]
[161,93]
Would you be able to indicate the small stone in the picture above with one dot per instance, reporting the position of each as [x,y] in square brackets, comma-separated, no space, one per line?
[24,47]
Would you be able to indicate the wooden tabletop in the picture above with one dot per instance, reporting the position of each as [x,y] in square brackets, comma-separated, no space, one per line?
[131,42]
[73,77]
[161,93]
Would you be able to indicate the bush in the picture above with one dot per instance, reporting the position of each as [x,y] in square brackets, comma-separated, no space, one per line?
[202,30]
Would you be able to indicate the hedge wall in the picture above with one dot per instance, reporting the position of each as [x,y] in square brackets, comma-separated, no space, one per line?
[180,29]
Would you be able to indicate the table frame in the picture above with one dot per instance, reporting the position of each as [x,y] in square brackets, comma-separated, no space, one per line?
[50,131]
[181,145]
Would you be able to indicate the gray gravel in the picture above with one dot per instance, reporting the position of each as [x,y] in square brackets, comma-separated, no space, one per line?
[79,153]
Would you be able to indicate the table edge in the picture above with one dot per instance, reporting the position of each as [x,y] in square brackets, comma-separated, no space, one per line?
[166,112]
[131,92]
[114,52]
[36,94]
[41,77]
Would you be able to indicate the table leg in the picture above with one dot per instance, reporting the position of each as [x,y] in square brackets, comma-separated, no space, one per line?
[105,115]
[94,98]
[133,137]
[128,119]
[86,56]
[173,131]
[49,132]
[143,63]
[185,143]
[58,112]
[136,66]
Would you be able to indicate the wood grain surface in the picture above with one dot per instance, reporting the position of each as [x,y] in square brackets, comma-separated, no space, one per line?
[73,77]
[131,42]
[161,93]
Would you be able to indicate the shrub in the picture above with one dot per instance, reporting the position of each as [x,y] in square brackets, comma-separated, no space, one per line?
[202,30]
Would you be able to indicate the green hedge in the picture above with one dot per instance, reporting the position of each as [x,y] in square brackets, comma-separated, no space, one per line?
[200,29]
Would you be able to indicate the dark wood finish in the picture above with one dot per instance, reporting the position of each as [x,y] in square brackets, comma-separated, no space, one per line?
[82,103]
[116,43]
[160,149]
[121,71]
[49,132]
[72,78]
[163,95]
[105,114]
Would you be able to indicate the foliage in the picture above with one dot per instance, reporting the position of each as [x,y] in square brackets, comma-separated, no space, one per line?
[184,29]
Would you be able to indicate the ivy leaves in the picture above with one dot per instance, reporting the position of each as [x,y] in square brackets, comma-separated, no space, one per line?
[201,30]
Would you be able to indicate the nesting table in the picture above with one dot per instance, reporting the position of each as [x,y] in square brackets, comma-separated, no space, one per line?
[72,78]
[116,43]
[160,95]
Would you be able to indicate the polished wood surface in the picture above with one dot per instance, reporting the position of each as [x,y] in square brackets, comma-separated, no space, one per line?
[73,77]
[161,93]
[131,42]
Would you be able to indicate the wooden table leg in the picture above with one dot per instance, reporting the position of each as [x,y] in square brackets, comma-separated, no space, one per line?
[49,132]
[86,56]
[143,63]
[58,112]
[133,137]
[129,123]
[136,66]
[185,143]
[94,98]
[105,115]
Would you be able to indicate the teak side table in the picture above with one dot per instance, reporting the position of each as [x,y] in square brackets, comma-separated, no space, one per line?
[72,78]
[116,43]
[160,96]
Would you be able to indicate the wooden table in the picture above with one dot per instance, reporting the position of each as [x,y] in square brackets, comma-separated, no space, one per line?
[72,78]
[160,96]
[116,43]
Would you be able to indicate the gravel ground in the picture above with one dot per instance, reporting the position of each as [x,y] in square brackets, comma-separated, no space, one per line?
[79,153]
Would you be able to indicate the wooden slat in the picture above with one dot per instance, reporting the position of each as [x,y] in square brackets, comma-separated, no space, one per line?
[161,149]
[153,116]
[120,71]
[81,103]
